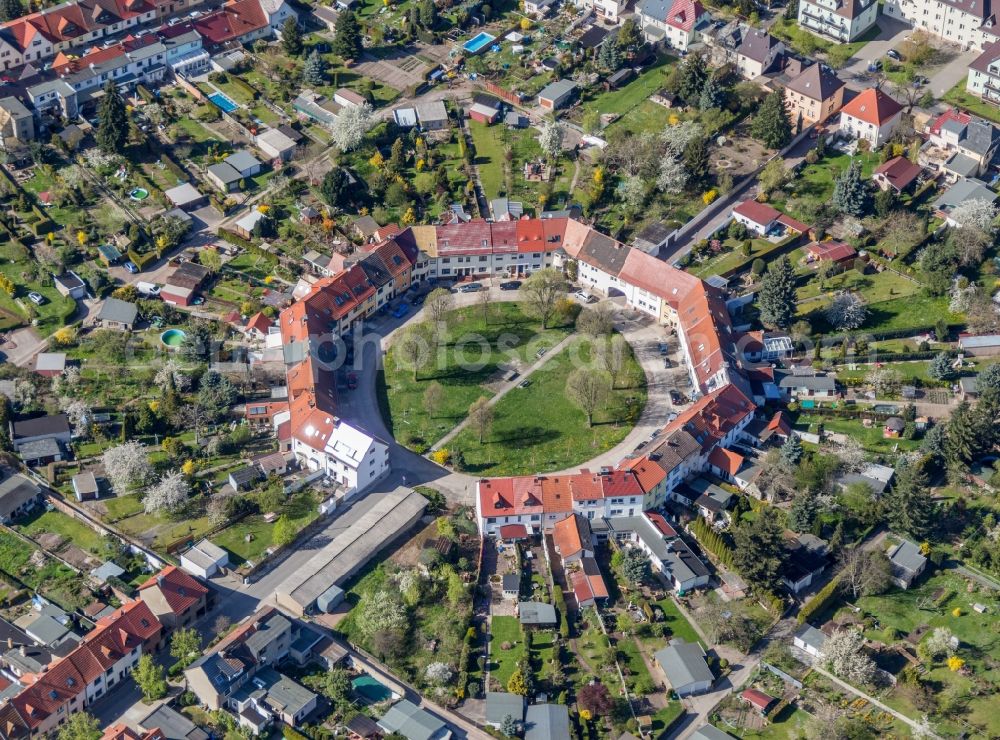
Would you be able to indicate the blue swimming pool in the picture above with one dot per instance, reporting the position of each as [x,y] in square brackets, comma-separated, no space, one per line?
[223,102]
[478,42]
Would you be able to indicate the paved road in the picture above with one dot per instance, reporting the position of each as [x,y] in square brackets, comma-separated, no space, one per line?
[891,34]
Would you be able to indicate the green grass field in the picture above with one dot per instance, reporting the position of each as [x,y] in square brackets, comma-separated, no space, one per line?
[538,428]
[505,630]
[961,98]
[678,623]
[73,531]
[733,258]
[401,397]
[627,97]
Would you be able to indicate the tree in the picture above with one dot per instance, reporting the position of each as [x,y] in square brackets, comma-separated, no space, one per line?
[438,673]
[112,121]
[774,176]
[609,58]
[847,311]
[314,71]
[803,511]
[428,14]
[336,187]
[291,37]
[550,138]
[80,726]
[596,699]
[149,678]
[351,125]
[481,415]
[864,572]
[850,196]
[692,74]
[284,531]
[978,214]
[541,293]
[989,378]
[845,654]
[758,552]
[588,390]
[712,94]
[382,612]
[185,645]
[938,644]
[771,125]
[964,442]
[412,348]
[791,451]
[347,36]
[433,399]
[634,565]
[612,355]
[168,495]
[517,683]
[886,202]
[883,380]
[909,506]
[941,367]
[596,322]
[438,305]
[126,466]
[508,728]
[10,9]
[776,298]
[696,162]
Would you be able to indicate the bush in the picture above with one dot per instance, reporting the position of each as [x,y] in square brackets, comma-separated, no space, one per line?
[820,601]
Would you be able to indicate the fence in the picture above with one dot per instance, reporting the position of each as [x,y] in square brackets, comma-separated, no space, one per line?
[781,674]
[504,94]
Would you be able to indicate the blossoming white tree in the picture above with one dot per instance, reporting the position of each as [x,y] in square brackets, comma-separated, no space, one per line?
[351,125]
[126,466]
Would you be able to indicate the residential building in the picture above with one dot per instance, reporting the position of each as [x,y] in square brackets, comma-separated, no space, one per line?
[810,639]
[272,697]
[41,440]
[500,705]
[572,538]
[965,190]
[757,53]
[104,658]
[432,115]
[204,559]
[979,345]
[546,722]
[765,220]
[814,95]
[841,20]
[960,144]
[898,174]
[872,116]
[117,314]
[175,597]
[676,23]
[669,555]
[907,562]
[806,383]
[407,719]
[276,145]
[606,10]
[586,584]
[557,94]
[172,724]
[967,24]
[536,614]
[683,665]
[710,732]
[984,73]
[830,251]
[18,496]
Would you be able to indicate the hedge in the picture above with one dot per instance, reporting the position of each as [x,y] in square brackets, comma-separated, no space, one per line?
[144,93]
[172,167]
[560,603]
[821,600]
[245,86]
[884,357]
[141,260]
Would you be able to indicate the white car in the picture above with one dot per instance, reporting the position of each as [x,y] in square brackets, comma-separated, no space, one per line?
[37,298]
[584,297]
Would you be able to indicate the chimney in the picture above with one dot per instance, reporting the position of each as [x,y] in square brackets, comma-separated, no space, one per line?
[24,651]
[159,579]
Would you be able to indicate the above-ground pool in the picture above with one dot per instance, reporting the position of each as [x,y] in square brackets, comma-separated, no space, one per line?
[138,193]
[172,338]
[223,102]
[478,42]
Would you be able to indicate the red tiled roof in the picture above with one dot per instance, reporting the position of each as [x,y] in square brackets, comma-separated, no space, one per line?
[567,537]
[180,590]
[661,524]
[232,21]
[259,322]
[648,474]
[872,106]
[657,277]
[726,460]
[949,115]
[713,416]
[530,235]
[124,732]
[758,698]
[759,213]
[503,237]
[831,250]
[898,172]
[683,14]
[513,532]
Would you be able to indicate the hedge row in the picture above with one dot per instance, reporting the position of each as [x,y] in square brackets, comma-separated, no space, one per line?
[560,603]
[820,601]
[143,259]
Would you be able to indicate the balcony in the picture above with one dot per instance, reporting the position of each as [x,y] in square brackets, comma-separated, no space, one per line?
[823,26]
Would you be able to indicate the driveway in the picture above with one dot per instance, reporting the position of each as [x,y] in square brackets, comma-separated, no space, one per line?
[952,73]
[21,346]
[891,34]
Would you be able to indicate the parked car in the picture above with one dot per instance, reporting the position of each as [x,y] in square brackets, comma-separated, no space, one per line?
[664,348]
[418,299]
[920,81]
[524,383]
[894,55]
[37,298]
[130,266]
[401,310]
[675,398]
[541,352]
[584,297]
[470,288]
[352,381]
[510,285]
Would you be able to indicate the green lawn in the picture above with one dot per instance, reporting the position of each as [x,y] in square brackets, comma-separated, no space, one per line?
[300,509]
[666,717]
[401,397]
[961,98]
[871,438]
[627,97]
[732,258]
[15,310]
[553,435]
[875,287]
[198,133]
[805,42]
[505,630]
[630,657]
[678,623]
[71,530]
[786,725]
[906,610]
[814,183]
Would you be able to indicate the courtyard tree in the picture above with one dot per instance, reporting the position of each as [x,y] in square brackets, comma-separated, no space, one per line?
[149,678]
[771,125]
[588,390]
[336,187]
[774,176]
[542,291]
[977,213]
[635,565]
[126,467]
[112,121]
[347,36]
[712,95]
[291,37]
[609,58]
[847,311]
[351,126]
[433,399]
[776,298]
[758,552]
[696,163]
[314,71]
[284,532]
[412,348]
[596,699]
[508,728]
[791,451]
[168,495]
[864,572]
[438,305]
[691,76]
[185,645]
[9,10]
[845,654]
[80,726]
[428,14]
[481,415]
[518,683]
[850,195]
[550,138]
